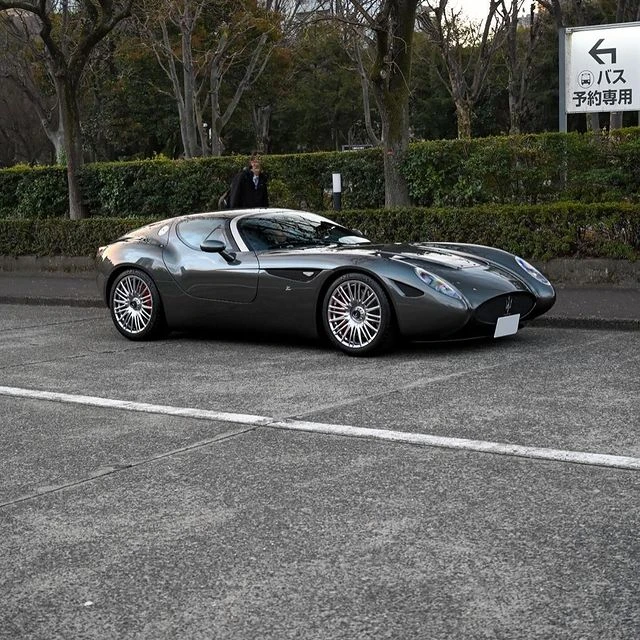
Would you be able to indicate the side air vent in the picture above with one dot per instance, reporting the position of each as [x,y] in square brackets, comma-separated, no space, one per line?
[408,290]
[300,275]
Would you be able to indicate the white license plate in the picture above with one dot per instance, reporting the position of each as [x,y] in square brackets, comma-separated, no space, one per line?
[507,326]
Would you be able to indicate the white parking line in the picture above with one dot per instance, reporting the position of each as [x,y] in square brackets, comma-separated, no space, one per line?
[500,448]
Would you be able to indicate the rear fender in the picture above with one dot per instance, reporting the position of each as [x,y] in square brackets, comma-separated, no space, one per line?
[129,255]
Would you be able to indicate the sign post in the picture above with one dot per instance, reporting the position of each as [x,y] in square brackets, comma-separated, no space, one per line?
[599,69]
[337,191]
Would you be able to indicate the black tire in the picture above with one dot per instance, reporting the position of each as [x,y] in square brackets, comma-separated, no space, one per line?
[357,315]
[136,308]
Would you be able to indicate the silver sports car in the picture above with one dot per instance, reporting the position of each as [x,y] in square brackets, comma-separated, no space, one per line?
[294,272]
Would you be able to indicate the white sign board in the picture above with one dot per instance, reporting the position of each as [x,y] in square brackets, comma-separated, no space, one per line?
[602,68]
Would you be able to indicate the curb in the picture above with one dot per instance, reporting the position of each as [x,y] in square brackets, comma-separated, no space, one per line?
[611,324]
[586,272]
[48,265]
[52,302]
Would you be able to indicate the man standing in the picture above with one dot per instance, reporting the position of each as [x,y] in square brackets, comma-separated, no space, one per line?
[249,187]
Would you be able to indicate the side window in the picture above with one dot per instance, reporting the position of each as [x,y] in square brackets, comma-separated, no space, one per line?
[253,233]
[192,232]
[267,233]
[219,234]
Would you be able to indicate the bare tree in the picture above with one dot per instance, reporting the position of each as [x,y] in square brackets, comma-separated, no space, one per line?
[198,61]
[519,55]
[158,21]
[21,64]
[69,35]
[390,26]
[223,59]
[467,51]
[21,136]
[293,16]
[365,83]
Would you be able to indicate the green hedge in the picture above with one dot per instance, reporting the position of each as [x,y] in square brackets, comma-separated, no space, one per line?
[564,229]
[165,188]
[539,232]
[62,237]
[525,169]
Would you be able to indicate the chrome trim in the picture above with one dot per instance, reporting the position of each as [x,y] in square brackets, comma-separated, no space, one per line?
[233,226]
[508,304]
[236,233]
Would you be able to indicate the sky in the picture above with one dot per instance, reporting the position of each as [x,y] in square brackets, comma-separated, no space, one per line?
[474,9]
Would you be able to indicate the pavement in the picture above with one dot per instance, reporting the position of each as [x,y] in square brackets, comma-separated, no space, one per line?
[586,307]
[241,509]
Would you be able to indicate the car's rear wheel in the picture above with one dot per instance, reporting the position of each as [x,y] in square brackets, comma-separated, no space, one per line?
[357,315]
[136,308]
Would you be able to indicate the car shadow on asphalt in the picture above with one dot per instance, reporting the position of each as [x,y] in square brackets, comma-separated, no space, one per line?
[401,349]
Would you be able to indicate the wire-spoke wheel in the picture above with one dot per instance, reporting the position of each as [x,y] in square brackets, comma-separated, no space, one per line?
[357,315]
[135,306]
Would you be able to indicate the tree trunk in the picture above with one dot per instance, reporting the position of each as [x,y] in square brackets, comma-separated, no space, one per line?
[463,115]
[56,138]
[396,192]
[615,120]
[217,147]
[395,141]
[188,81]
[70,119]
[515,115]
[390,79]
[261,126]
[366,102]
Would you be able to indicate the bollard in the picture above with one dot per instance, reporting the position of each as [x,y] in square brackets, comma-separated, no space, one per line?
[337,192]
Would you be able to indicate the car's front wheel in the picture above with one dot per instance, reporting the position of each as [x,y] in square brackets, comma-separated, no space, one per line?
[136,308]
[357,315]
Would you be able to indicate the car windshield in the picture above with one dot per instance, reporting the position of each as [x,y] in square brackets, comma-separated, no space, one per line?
[293,231]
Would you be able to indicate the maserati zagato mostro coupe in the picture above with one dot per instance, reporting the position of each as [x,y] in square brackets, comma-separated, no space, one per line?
[294,272]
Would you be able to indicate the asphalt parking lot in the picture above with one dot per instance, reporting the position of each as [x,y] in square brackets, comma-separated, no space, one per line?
[208,487]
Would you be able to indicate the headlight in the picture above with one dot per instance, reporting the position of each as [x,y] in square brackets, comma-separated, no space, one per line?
[437,284]
[532,271]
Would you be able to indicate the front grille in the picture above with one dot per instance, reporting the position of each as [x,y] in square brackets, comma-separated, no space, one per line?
[490,311]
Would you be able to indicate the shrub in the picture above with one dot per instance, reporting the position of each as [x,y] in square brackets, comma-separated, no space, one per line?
[524,169]
[565,229]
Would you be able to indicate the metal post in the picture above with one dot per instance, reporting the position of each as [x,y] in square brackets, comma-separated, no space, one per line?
[337,192]
[562,89]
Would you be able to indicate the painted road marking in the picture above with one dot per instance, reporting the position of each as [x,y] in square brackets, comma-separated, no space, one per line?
[500,448]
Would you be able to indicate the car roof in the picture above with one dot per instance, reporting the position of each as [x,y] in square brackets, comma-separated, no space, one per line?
[236,213]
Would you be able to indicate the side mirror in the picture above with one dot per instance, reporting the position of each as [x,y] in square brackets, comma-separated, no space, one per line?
[217,246]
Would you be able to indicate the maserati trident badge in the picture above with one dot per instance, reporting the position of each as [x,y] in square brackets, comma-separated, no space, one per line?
[507,305]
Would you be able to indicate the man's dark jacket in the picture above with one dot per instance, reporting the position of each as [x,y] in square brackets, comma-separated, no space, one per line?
[245,194]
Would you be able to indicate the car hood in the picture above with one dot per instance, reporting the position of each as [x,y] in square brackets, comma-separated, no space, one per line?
[424,256]
[418,255]
[470,273]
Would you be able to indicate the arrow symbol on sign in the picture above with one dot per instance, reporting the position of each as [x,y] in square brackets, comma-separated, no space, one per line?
[595,53]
